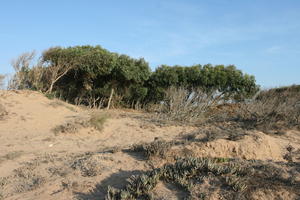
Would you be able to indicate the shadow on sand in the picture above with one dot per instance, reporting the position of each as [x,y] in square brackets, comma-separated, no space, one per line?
[116,180]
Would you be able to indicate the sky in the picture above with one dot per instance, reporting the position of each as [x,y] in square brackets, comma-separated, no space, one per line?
[260,37]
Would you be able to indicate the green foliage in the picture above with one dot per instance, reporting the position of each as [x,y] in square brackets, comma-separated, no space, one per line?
[228,81]
[137,93]
[206,178]
[186,173]
[97,71]
[50,96]
[87,75]
[92,60]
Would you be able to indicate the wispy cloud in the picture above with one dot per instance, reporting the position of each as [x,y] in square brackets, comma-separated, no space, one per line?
[274,49]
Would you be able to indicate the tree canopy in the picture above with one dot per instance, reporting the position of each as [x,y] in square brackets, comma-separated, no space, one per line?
[81,73]
[227,80]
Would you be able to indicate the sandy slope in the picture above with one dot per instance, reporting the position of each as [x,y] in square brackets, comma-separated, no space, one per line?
[26,132]
[35,163]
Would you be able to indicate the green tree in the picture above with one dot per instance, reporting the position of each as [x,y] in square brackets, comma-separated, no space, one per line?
[94,72]
[226,81]
[90,74]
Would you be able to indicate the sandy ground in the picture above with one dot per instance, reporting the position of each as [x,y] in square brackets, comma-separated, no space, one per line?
[37,163]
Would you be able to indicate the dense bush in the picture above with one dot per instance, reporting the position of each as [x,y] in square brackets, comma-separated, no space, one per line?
[226,80]
[96,72]
[91,74]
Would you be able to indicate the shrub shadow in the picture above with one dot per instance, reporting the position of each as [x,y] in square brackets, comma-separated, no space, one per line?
[116,180]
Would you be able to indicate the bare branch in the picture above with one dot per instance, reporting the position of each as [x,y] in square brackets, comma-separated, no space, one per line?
[23,61]
[58,71]
[21,65]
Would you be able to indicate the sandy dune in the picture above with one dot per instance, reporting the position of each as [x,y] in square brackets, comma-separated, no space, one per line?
[26,132]
[36,163]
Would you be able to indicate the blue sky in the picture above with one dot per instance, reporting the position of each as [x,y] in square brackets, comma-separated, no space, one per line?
[261,37]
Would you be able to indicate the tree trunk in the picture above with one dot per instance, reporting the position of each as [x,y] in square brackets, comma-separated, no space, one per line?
[50,88]
[110,98]
[56,77]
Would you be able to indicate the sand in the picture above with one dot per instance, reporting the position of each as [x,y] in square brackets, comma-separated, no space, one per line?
[37,163]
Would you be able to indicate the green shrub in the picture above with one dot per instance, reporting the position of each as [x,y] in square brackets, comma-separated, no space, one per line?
[203,177]
[184,173]
[230,82]
[50,96]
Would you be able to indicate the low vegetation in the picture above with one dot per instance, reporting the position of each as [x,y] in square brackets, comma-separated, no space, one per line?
[187,106]
[57,103]
[88,165]
[11,156]
[229,178]
[98,119]
[157,148]
[272,109]
[95,120]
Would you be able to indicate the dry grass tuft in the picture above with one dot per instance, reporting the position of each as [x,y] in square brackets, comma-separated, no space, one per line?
[95,120]
[292,155]
[272,109]
[3,112]
[98,119]
[11,156]
[30,183]
[58,103]
[27,179]
[69,127]
[88,165]
[186,106]
[157,148]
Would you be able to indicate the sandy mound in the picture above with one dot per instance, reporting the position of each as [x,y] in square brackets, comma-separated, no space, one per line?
[50,150]
[256,145]
[28,141]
